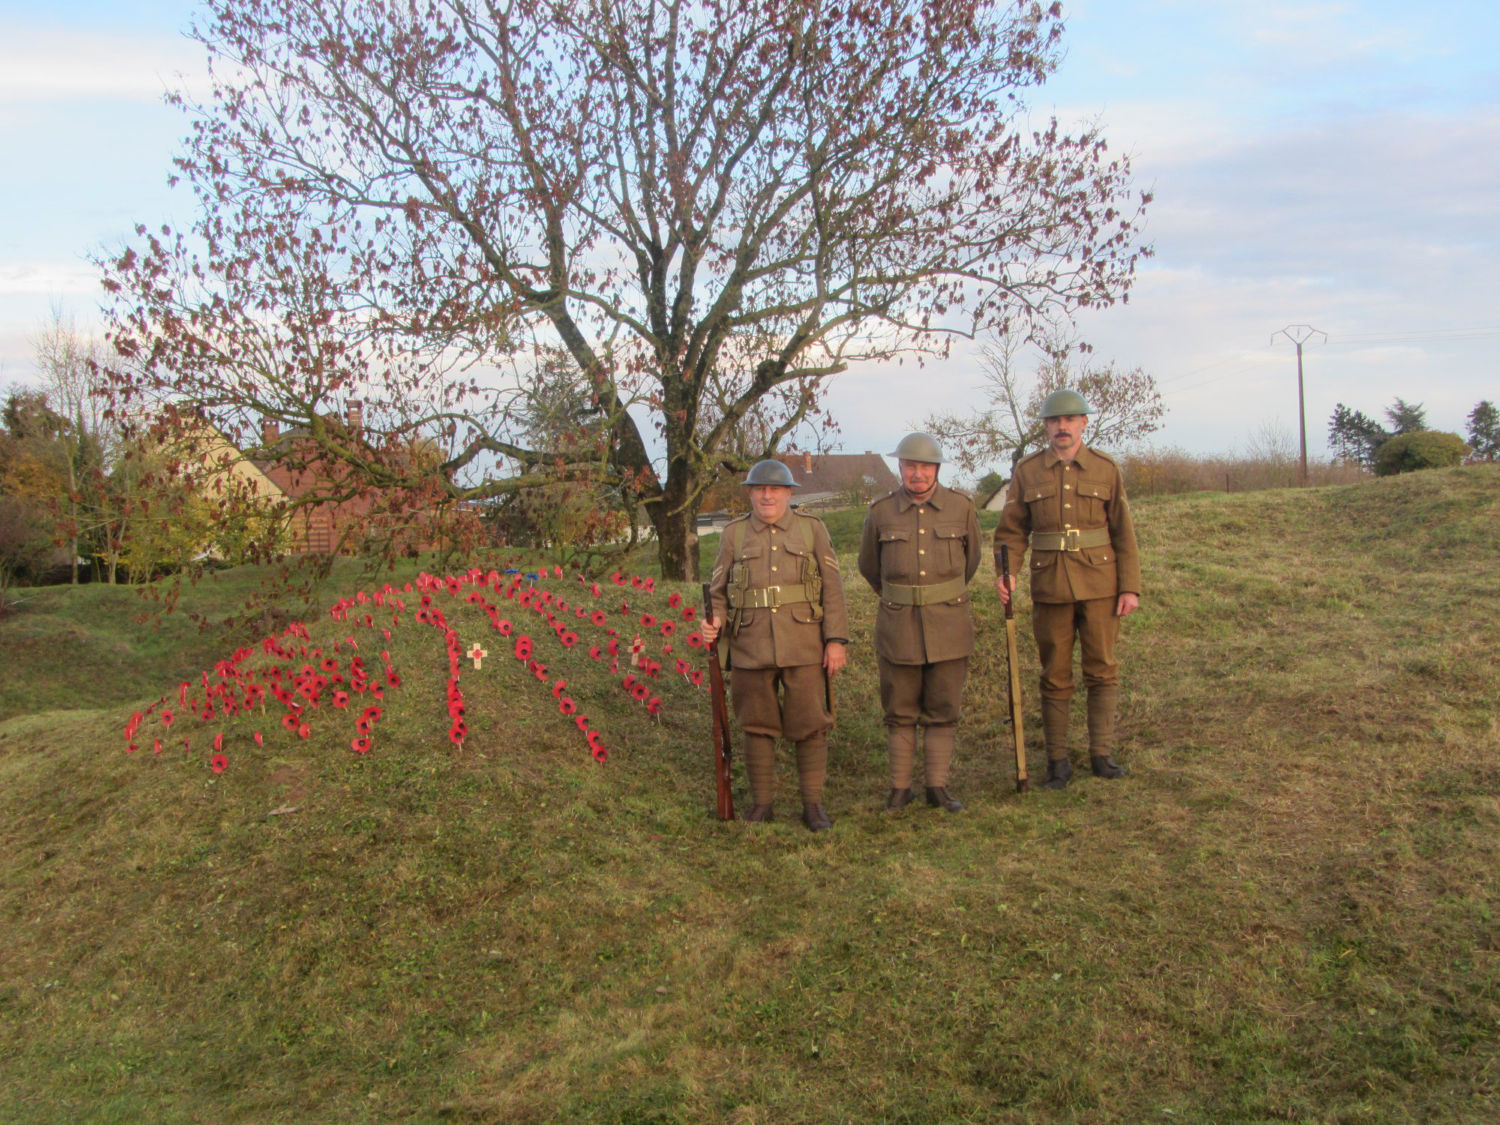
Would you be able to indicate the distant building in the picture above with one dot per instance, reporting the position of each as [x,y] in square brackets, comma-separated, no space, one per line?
[337,511]
[993,501]
[832,479]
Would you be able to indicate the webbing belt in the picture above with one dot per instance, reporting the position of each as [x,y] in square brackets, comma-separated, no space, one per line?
[1074,539]
[769,597]
[922,595]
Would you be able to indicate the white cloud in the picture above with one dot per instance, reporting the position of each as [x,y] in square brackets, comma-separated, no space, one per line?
[51,63]
[47,278]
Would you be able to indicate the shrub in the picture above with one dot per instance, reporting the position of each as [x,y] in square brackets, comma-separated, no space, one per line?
[1423,449]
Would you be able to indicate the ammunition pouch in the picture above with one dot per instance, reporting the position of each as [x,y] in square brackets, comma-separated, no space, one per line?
[742,596]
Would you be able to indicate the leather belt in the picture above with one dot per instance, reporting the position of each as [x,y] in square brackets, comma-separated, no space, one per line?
[1074,539]
[922,595]
[769,597]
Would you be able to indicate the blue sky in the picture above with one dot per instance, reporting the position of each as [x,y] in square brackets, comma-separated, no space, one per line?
[1329,164]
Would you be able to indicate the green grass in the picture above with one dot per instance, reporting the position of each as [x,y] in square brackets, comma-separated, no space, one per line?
[1286,913]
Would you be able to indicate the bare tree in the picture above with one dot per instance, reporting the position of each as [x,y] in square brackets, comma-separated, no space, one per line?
[69,363]
[705,205]
[1126,406]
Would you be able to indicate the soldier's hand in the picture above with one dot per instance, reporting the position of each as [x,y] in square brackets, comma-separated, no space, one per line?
[1127,604]
[710,629]
[1003,586]
[833,658]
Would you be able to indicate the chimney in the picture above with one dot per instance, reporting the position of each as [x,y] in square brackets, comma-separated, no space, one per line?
[355,413]
[269,431]
[807,462]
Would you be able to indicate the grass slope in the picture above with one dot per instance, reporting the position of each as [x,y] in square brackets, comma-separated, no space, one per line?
[1284,914]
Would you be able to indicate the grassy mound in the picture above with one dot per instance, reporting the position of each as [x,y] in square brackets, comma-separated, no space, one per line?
[1285,913]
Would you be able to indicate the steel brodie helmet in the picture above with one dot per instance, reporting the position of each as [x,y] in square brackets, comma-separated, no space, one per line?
[919,447]
[770,472]
[1062,402]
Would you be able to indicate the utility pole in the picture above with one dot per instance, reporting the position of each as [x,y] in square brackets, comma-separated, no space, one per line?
[1299,334]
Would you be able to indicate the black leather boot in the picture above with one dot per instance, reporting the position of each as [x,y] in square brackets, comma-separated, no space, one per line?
[898,799]
[1106,766]
[1059,773]
[816,819]
[939,795]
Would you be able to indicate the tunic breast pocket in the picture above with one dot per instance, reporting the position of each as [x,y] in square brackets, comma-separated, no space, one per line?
[1042,500]
[896,555]
[1093,502]
[952,547]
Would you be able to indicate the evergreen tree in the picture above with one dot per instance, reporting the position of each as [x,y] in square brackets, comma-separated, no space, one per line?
[1355,436]
[1484,430]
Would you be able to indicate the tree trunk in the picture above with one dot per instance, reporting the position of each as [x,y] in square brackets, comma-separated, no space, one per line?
[73,540]
[676,525]
[677,544]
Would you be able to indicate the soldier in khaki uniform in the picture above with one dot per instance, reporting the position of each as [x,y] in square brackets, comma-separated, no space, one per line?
[919,550]
[1067,503]
[776,582]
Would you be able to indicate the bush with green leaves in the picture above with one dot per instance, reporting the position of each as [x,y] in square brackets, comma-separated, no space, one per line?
[1423,449]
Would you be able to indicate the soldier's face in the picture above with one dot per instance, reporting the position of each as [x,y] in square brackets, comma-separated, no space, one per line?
[769,501]
[1065,434]
[919,478]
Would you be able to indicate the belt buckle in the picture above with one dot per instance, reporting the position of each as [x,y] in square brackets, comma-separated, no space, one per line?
[773,596]
[1070,540]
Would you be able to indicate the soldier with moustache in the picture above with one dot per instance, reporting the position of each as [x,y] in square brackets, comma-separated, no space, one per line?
[776,586]
[919,550]
[1067,503]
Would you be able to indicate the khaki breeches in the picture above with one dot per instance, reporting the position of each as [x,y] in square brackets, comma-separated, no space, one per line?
[796,712]
[930,694]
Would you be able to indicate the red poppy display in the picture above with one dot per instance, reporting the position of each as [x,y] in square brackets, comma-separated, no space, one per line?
[320,679]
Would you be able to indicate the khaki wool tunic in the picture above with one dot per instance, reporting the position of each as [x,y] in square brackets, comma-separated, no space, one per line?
[791,634]
[921,544]
[1048,494]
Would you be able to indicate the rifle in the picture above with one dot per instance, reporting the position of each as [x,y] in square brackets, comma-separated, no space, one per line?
[722,745]
[1002,565]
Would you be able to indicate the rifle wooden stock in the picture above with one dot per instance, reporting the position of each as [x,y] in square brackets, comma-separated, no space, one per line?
[1002,567]
[722,746]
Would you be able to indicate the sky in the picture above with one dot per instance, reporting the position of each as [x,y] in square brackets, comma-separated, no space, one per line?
[1334,165]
